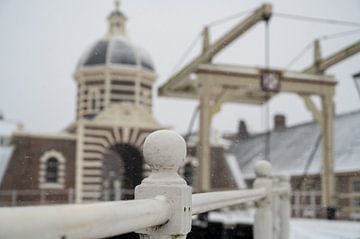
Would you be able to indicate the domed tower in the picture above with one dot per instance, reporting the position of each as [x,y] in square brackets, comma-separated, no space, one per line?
[114,115]
[113,70]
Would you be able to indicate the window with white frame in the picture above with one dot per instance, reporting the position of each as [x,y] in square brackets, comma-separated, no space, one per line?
[52,170]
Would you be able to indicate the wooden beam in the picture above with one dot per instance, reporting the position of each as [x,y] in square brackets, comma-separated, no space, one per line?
[310,105]
[249,78]
[262,13]
[335,58]
[328,178]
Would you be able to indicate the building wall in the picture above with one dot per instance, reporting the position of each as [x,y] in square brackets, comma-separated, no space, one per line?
[23,172]
[306,197]
[220,175]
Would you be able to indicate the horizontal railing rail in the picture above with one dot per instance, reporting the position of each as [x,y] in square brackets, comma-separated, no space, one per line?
[163,205]
[96,220]
[204,202]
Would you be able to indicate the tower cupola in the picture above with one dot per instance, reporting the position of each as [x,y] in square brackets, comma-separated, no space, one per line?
[114,70]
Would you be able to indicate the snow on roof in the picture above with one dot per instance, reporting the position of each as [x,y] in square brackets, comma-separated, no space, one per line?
[7,127]
[291,148]
[235,171]
[215,139]
[5,155]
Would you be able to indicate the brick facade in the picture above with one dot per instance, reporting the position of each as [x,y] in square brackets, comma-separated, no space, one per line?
[22,173]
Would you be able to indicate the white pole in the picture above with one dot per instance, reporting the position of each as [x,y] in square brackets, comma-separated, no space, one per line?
[285,207]
[313,203]
[297,203]
[117,190]
[13,198]
[263,215]
[70,195]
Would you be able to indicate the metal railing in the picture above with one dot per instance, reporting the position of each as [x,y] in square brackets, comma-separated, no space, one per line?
[308,204]
[36,197]
[163,205]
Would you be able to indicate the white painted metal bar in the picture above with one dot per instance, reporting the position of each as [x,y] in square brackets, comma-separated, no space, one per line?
[96,220]
[204,202]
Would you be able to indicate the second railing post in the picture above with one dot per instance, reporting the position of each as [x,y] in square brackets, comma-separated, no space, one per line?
[263,215]
[285,207]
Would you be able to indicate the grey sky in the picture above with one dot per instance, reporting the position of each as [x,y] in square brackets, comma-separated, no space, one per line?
[41,42]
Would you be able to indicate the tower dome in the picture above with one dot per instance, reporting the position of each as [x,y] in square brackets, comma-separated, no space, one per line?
[114,71]
[116,48]
[114,51]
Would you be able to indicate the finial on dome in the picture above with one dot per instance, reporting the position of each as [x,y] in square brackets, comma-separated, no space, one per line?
[117,5]
[117,21]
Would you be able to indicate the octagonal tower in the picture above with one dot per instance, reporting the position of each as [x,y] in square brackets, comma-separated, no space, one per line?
[113,70]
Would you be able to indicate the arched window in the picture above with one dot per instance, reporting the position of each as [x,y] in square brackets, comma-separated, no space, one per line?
[52,170]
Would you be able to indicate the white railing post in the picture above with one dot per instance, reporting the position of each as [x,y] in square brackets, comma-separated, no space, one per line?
[70,195]
[276,208]
[297,205]
[42,197]
[13,198]
[117,186]
[285,207]
[263,216]
[165,151]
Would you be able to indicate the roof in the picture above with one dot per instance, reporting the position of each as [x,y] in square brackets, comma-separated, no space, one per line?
[116,50]
[356,75]
[116,13]
[297,150]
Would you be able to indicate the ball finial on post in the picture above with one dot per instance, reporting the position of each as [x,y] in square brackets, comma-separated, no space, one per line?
[262,168]
[164,150]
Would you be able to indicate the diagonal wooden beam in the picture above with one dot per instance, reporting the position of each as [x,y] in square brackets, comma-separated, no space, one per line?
[335,58]
[262,13]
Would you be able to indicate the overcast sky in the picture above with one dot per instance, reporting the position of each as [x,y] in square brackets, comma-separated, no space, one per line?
[41,42]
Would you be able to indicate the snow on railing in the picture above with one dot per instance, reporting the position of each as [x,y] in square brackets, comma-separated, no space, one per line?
[163,205]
